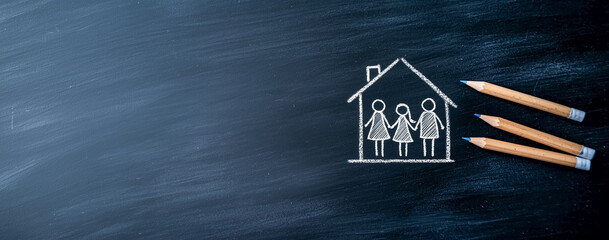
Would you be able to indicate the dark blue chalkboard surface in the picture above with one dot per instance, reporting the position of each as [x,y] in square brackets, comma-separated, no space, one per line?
[192,119]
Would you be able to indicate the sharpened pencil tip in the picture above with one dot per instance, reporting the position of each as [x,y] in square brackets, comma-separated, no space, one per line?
[463,81]
[477,115]
[466,139]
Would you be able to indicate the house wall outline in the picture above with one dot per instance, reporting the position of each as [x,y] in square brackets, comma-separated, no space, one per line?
[447,102]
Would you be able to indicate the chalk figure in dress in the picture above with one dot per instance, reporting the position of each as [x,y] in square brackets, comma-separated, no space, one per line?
[429,125]
[378,130]
[402,133]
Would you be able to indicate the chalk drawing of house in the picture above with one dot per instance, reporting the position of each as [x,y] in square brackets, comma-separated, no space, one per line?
[358,95]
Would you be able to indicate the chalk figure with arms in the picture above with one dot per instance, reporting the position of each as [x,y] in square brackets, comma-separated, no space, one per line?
[429,125]
[402,133]
[378,130]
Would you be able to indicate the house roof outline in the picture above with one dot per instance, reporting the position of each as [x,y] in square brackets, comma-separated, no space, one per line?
[414,70]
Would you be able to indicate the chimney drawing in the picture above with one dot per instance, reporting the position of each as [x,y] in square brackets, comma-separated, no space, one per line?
[378,71]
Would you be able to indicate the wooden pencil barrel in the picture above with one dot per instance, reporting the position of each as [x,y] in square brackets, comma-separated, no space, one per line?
[530,152]
[540,137]
[526,99]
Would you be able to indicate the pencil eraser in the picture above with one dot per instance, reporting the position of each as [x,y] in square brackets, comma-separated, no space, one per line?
[582,163]
[587,153]
[577,115]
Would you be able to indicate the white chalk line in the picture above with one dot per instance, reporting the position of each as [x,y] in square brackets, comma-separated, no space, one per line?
[421,76]
[446,99]
[361,128]
[373,81]
[447,130]
[433,86]
[368,68]
[401,161]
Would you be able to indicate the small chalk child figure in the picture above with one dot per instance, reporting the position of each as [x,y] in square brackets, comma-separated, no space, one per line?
[402,133]
[378,130]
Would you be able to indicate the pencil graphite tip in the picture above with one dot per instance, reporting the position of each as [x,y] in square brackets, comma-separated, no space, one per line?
[466,139]
[463,81]
[477,115]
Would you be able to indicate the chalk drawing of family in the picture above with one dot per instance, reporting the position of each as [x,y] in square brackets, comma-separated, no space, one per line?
[428,123]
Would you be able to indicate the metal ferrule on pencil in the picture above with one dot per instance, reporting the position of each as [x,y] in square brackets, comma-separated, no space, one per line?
[577,115]
[583,164]
[587,152]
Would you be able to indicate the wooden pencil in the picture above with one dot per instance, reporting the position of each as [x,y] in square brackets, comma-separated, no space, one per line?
[539,136]
[530,152]
[527,100]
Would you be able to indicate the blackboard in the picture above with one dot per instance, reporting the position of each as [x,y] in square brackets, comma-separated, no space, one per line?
[229,119]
